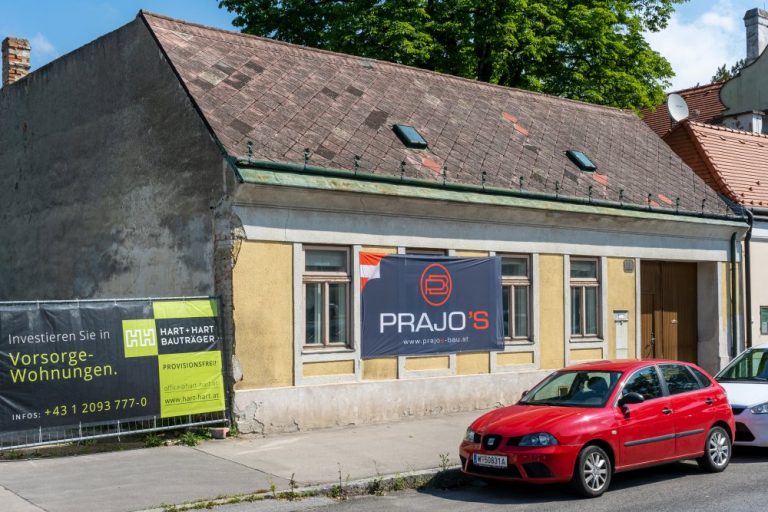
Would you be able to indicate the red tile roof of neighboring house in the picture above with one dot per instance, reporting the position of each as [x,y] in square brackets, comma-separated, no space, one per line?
[703,105]
[285,98]
[731,161]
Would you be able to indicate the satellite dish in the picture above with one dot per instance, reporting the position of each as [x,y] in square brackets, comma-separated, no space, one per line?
[677,107]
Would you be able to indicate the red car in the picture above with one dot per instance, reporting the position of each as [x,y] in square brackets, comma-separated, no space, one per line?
[585,422]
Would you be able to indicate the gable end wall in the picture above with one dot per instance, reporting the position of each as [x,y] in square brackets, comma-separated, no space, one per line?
[108,178]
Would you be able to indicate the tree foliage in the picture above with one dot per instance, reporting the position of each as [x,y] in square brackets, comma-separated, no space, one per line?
[591,50]
[723,73]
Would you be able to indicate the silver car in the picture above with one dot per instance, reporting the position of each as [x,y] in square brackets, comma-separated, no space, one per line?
[746,382]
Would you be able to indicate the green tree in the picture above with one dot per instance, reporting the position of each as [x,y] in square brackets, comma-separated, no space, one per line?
[591,50]
[723,73]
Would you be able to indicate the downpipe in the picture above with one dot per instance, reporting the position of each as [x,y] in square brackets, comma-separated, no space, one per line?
[734,332]
[748,277]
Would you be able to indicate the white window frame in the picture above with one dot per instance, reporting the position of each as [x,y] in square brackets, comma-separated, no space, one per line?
[584,283]
[326,278]
[511,282]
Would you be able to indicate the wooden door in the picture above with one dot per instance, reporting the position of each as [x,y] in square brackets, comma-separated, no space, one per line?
[650,308]
[669,322]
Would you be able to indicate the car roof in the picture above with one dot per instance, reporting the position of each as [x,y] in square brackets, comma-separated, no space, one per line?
[761,345]
[621,365]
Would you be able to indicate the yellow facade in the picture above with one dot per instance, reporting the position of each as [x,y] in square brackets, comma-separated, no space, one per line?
[427,363]
[551,311]
[262,288]
[725,316]
[514,358]
[263,315]
[586,354]
[471,363]
[472,254]
[621,296]
[379,249]
[383,368]
[328,368]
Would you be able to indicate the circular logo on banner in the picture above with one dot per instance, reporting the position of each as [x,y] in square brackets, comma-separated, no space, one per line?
[436,285]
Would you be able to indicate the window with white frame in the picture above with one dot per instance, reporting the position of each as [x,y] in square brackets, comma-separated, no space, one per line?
[326,281]
[585,298]
[516,297]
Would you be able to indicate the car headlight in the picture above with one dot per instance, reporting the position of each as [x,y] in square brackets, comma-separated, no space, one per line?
[760,409]
[471,436]
[538,439]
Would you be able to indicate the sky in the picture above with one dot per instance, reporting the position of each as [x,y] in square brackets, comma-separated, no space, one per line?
[701,36]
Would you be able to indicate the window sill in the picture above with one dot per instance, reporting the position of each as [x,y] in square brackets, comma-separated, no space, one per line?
[586,340]
[509,342]
[327,350]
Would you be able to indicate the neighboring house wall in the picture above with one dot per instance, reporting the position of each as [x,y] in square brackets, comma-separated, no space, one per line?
[108,178]
[748,91]
[759,257]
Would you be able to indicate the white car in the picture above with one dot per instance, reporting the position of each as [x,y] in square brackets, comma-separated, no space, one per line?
[745,380]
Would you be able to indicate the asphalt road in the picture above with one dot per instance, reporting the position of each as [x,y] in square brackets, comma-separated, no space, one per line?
[672,487]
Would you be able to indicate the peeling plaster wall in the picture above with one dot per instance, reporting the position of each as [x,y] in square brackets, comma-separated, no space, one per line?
[108,178]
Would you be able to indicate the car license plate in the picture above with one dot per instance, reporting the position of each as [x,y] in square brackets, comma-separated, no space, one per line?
[490,461]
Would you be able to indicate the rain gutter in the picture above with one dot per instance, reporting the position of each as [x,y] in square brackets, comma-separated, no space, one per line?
[477,189]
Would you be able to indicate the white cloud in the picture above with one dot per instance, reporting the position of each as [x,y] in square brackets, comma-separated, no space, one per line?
[42,47]
[696,48]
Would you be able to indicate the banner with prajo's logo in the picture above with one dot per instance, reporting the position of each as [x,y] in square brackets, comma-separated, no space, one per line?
[415,304]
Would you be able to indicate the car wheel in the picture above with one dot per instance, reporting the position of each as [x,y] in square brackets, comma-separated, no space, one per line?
[717,451]
[592,474]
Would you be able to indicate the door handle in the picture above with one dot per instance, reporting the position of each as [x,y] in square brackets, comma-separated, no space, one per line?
[666,410]
[709,401]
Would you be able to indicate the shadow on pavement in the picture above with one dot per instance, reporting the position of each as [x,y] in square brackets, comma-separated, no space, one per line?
[518,493]
[749,455]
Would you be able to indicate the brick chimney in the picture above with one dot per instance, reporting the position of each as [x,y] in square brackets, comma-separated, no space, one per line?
[756,21]
[16,53]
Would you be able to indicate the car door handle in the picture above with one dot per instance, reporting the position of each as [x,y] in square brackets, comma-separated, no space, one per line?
[666,410]
[709,401]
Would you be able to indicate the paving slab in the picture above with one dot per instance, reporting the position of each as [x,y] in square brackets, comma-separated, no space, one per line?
[357,452]
[126,481]
[12,503]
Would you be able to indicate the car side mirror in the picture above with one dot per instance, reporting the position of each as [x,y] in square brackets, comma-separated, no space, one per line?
[630,398]
[525,392]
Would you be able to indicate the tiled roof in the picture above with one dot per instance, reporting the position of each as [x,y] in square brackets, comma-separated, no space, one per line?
[703,105]
[733,162]
[285,98]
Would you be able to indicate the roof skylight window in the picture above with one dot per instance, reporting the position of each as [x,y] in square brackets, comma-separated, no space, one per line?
[409,136]
[581,160]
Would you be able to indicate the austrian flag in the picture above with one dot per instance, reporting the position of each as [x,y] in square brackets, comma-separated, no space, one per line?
[370,267]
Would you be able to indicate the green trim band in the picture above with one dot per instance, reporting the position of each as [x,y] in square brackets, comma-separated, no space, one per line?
[394,187]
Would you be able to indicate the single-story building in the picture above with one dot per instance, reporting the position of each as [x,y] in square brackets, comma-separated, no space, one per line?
[171,159]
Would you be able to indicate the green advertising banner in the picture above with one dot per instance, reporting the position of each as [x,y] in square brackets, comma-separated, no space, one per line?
[67,363]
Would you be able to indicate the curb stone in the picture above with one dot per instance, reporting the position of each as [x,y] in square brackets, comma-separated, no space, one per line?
[363,486]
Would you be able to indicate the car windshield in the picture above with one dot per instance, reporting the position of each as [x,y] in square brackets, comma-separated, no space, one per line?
[751,366]
[572,388]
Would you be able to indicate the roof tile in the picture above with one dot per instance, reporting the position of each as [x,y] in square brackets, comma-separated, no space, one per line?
[285,98]
[704,106]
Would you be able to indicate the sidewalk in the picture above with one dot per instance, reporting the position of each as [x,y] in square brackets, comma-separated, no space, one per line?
[148,478]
